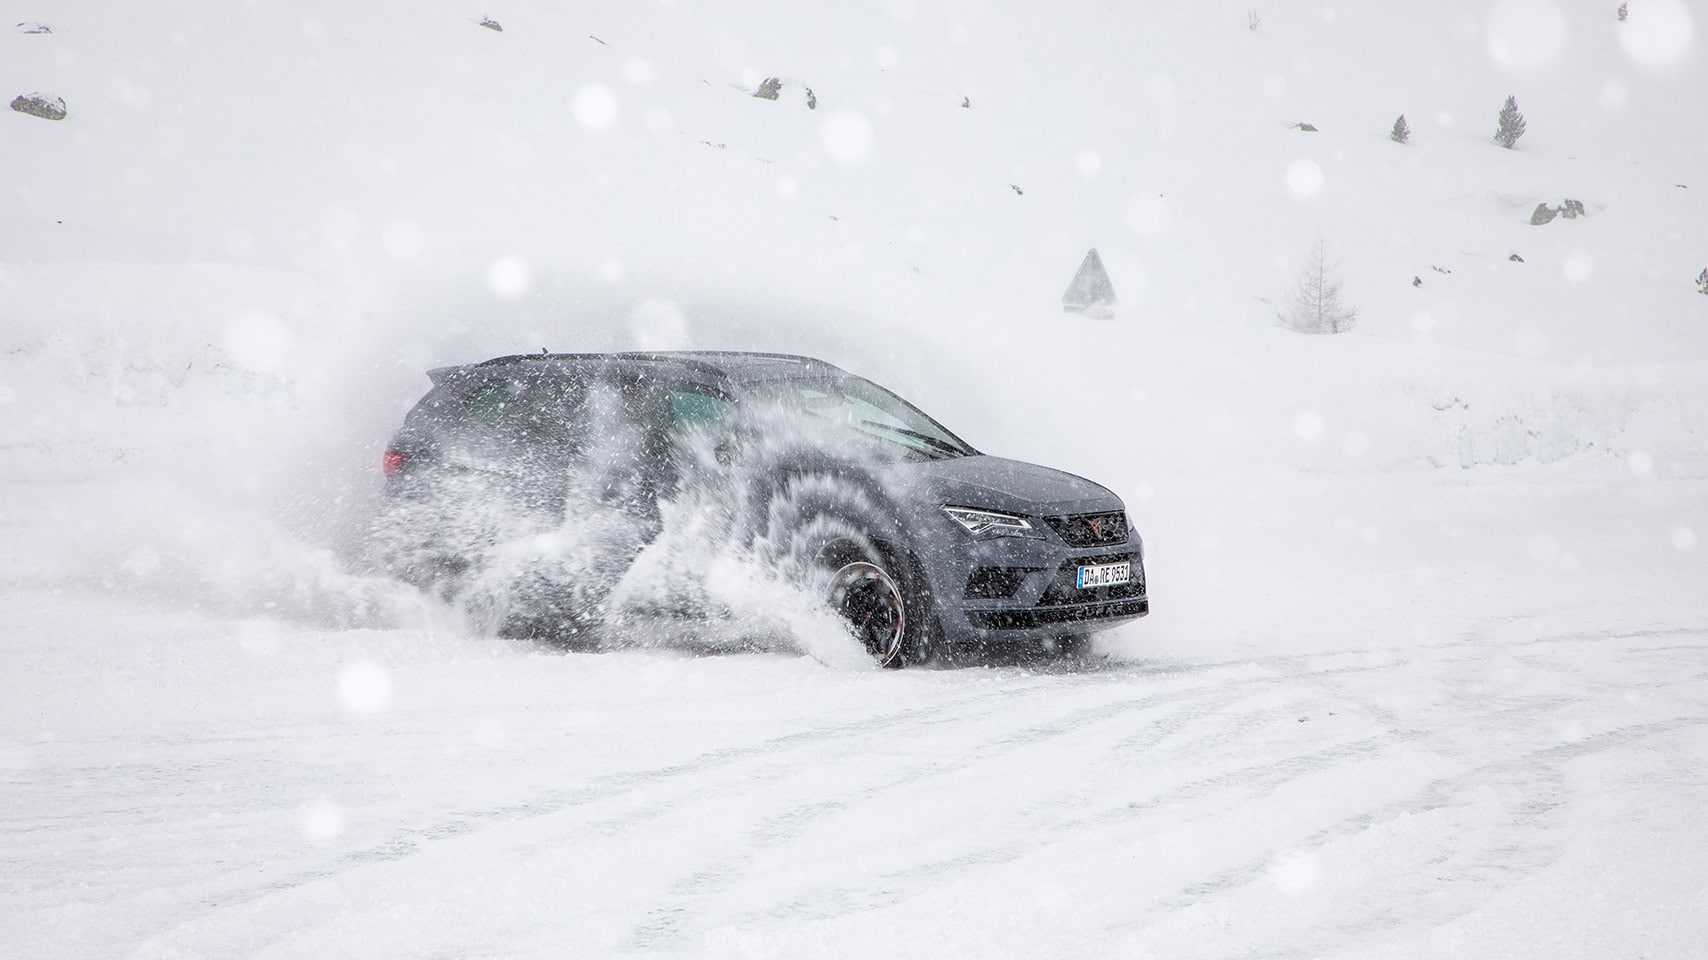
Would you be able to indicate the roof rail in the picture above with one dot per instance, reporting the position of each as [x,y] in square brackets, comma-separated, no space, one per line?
[701,360]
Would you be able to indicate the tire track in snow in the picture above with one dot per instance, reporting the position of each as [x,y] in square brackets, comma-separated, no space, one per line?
[1207,719]
[1534,772]
[1237,786]
[1209,696]
[665,923]
[599,789]
[1529,786]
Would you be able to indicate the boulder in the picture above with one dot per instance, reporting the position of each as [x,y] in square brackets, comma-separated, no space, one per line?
[1568,208]
[40,105]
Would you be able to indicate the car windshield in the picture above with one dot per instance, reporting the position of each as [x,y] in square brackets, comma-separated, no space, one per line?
[831,411]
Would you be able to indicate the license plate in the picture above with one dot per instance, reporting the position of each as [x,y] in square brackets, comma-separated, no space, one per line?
[1105,575]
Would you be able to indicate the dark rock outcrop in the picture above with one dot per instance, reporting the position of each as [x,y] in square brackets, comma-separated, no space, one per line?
[40,105]
[1568,208]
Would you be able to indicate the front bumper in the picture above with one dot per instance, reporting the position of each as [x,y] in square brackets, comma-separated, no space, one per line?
[1021,589]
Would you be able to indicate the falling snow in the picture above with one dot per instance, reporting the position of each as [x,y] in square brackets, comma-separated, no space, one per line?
[1423,676]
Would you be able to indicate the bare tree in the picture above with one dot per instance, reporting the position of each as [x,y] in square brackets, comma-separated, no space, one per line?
[1314,305]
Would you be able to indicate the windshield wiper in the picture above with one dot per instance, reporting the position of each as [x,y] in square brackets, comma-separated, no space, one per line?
[935,443]
[895,434]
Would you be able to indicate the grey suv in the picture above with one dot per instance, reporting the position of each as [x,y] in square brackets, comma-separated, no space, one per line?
[921,543]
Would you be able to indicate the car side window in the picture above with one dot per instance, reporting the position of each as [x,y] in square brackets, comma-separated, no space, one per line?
[525,411]
[549,409]
[693,410]
[487,401]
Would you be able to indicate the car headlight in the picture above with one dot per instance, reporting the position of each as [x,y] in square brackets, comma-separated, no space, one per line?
[989,523]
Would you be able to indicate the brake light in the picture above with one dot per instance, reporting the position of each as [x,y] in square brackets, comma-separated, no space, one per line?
[393,462]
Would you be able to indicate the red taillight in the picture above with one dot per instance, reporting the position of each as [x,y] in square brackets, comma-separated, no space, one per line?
[394,462]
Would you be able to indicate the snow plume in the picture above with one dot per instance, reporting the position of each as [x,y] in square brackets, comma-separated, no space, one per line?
[589,553]
[585,555]
[169,544]
[222,454]
[184,448]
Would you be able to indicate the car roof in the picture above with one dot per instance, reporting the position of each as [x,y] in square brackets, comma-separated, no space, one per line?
[729,365]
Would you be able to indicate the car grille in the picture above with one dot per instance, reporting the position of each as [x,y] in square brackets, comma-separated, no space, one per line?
[1064,603]
[1090,529]
[996,583]
[1064,589]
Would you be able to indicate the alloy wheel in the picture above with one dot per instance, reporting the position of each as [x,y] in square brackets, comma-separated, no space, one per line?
[870,600]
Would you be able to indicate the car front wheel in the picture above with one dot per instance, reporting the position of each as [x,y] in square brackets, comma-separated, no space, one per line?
[872,596]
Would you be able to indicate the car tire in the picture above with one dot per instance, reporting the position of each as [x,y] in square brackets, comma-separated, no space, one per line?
[878,599]
[827,532]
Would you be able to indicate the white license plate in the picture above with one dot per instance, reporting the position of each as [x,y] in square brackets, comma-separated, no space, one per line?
[1105,575]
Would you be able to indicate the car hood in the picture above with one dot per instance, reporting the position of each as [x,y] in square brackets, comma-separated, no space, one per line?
[996,483]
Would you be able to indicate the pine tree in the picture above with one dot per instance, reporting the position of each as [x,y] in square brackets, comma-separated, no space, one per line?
[1401,132]
[1511,124]
[1624,11]
[1702,281]
[1314,305]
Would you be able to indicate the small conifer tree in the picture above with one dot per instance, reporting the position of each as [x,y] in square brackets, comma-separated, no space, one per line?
[1511,124]
[1702,281]
[1624,11]
[1401,133]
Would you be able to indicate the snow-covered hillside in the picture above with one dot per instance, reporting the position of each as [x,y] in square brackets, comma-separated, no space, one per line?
[1424,675]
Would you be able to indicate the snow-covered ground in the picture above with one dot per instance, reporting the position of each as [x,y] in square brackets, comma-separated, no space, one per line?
[1428,669]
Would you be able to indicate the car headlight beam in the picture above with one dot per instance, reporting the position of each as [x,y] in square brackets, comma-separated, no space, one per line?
[989,523]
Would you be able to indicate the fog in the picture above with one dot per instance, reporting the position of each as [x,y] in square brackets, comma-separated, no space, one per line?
[1422,672]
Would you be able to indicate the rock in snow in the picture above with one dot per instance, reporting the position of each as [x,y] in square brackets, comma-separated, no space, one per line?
[40,105]
[1568,208]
